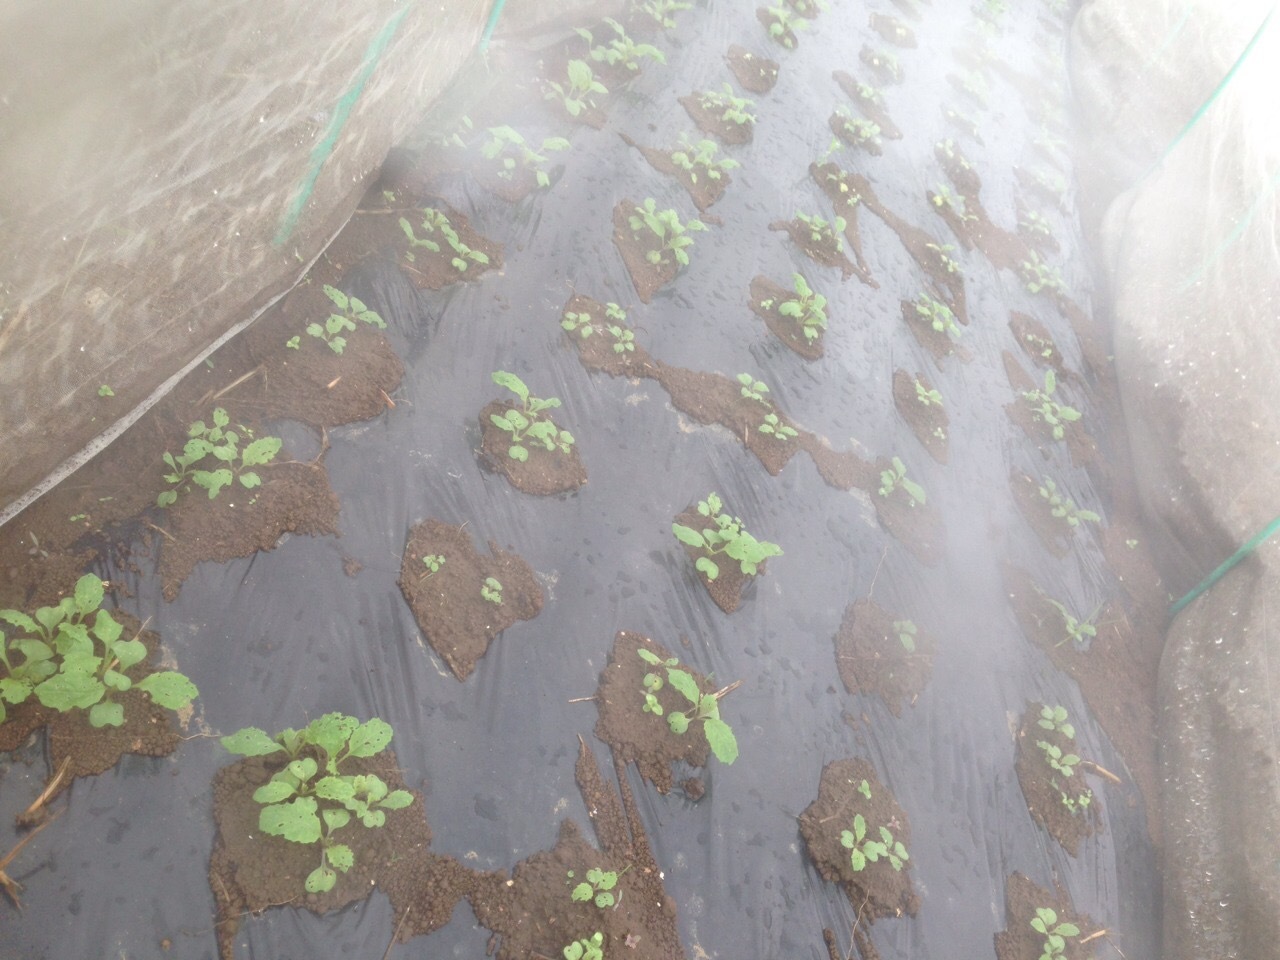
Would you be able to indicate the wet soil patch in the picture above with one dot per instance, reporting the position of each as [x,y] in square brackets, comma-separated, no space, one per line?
[596,350]
[754,73]
[635,246]
[639,737]
[842,129]
[544,473]
[838,187]
[1018,941]
[869,102]
[456,619]
[1082,447]
[917,526]
[1053,532]
[1038,344]
[1004,249]
[711,121]
[786,329]
[873,660]
[703,191]
[1043,787]
[928,421]
[727,588]
[294,498]
[824,250]
[434,269]
[251,870]
[893,30]
[937,342]
[877,890]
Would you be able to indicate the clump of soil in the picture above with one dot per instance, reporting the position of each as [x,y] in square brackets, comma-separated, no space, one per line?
[1043,787]
[822,248]
[878,890]
[928,421]
[893,30]
[711,120]
[434,269]
[293,498]
[754,73]
[1054,532]
[635,245]
[543,473]
[917,526]
[1081,446]
[872,658]
[842,129]
[702,188]
[937,342]
[787,329]
[456,619]
[635,735]
[870,103]
[726,589]
[250,870]
[882,64]
[1038,344]
[1018,941]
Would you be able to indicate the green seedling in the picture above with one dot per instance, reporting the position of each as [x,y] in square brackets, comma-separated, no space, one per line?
[106,391]
[727,537]
[666,226]
[731,108]
[940,433]
[885,62]
[1038,275]
[1046,924]
[774,427]
[589,948]
[822,233]
[433,221]
[1055,719]
[491,590]
[506,145]
[848,195]
[1045,409]
[706,706]
[858,130]
[1078,631]
[895,477]
[433,563]
[597,887]
[807,308]
[785,24]
[699,159]
[303,805]
[942,253]
[939,315]
[1036,224]
[930,398]
[582,324]
[661,10]
[1064,508]
[869,94]
[949,149]
[906,631]
[621,49]
[579,92]
[529,422]
[863,849]
[753,389]
[624,340]
[1042,346]
[77,517]
[943,197]
[810,8]
[72,658]
[223,445]
[348,310]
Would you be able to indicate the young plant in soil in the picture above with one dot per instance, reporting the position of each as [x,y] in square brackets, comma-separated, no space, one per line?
[705,706]
[906,631]
[433,221]
[699,159]
[223,445]
[304,804]
[1034,224]
[1079,632]
[1063,507]
[665,227]
[727,538]
[942,197]
[588,948]
[929,397]
[807,308]
[72,658]
[896,478]
[1055,934]
[433,562]
[942,253]
[730,108]
[1062,764]
[340,321]
[491,590]
[823,234]
[621,50]
[883,63]
[753,389]
[938,315]
[661,11]
[579,91]
[864,849]
[856,131]
[1038,276]
[783,24]
[596,888]
[581,323]
[1045,409]
[527,424]
[513,153]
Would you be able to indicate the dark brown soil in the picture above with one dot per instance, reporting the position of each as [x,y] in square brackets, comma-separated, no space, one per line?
[878,62]
[871,107]
[646,277]
[836,184]
[643,738]
[595,351]
[838,127]
[917,526]
[923,418]
[786,329]
[509,185]
[704,191]
[1005,249]
[294,498]
[937,342]
[1018,941]
[872,660]
[726,589]
[1040,785]
[826,252]
[457,621]
[1053,532]
[877,890]
[434,270]
[712,123]
[754,73]
[1081,446]
[787,38]
[251,871]
[893,30]
[544,473]
[1038,344]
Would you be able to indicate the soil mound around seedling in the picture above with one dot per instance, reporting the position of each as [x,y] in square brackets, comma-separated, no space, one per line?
[1019,941]
[753,72]
[544,473]
[789,331]
[928,421]
[1043,787]
[704,190]
[455,617]
[873,659]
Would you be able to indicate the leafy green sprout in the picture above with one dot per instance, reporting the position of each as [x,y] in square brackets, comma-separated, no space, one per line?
[785,23]
[621,49]
[700,158]
[949,149]
[582,324]
[821,232]
[753,389]
[859,130]
[579,92]
[223,444]
[1041,345]
[807,308]
[1047,410]
[434,220]
[342,319]
[596,888]
[863,849]
[906,631]
[433,562]
[733,109]
[72,658]
[774,427]
[886,63]
[661,10]
[1055,719]
[624,340]
[491,590]
[506,144]
[304,805]
[848,196]
[106,391]
[895,477]
[726,538]
[706,706]
[1046,924]
[927,396]
[1035,223]
[868,93]
[528,423]
[1078,631]
[1038,276]
[939,315]
[666,226]
[943,197]
[588,948]
[942,253]
[1064,508]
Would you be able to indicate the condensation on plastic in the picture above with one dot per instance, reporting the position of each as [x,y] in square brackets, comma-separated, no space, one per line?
[287,635]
